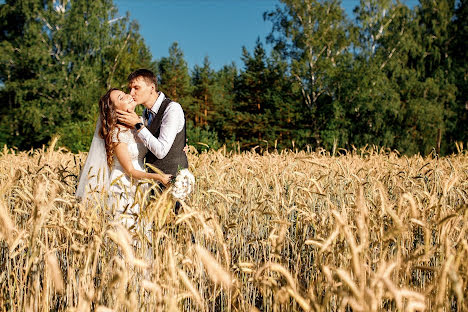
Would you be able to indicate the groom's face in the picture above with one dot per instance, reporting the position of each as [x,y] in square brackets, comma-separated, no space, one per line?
[141,90]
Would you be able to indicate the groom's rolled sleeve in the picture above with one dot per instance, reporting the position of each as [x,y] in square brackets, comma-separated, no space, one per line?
[171,124]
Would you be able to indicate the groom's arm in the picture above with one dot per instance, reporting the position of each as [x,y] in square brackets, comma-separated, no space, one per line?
[172,123]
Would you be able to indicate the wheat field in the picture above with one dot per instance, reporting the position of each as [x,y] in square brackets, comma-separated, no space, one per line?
[363,230]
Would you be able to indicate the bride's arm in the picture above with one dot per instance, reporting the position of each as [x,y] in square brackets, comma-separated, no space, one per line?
[121,151]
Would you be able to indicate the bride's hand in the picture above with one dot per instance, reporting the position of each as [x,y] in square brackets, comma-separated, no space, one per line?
[128,118]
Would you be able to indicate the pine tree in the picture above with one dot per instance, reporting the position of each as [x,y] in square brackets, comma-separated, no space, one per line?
[287,118]
[224,107]
[264,112]
[202,110]
[250,86]
[174,77]
[203,93]
[457,131]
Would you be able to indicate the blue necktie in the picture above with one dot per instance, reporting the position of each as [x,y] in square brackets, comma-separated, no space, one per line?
[149,116]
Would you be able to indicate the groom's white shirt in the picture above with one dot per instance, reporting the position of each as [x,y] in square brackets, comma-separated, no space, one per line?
[172,123]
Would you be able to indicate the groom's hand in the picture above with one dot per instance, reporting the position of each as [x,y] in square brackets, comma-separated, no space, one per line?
[128,118]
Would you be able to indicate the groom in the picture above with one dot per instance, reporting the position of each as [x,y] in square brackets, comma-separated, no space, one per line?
[163,130]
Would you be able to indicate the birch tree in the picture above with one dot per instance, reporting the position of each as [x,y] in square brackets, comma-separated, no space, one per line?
[314,36]
[56,59]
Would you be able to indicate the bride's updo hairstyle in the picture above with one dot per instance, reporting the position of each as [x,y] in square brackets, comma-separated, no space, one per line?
[108,117]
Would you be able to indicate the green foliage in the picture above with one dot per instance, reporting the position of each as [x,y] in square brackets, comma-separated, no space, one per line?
[314,36]
[393,77]
[174,77]
[57,58]
[202,138]
[397,89]
[204,93]
[264,110]
[458,51]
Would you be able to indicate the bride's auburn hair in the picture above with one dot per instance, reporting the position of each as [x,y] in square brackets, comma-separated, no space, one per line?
[108,117]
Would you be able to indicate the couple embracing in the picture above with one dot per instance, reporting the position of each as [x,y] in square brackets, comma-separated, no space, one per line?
[122,140]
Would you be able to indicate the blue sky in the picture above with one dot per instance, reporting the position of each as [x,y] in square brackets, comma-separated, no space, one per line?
[214,28]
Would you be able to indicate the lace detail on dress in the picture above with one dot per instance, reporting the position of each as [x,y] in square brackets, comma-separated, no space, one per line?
[136,148]
[122,136]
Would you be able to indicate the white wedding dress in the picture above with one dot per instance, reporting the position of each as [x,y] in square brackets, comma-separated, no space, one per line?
[99,184]
[123,193]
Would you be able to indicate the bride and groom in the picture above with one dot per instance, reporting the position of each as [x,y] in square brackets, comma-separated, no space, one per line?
[122,140]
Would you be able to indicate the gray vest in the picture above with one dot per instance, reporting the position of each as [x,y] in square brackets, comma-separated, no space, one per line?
[176,157]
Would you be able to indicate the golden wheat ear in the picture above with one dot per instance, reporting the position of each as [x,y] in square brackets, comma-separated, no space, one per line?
[363,230]
[155,169]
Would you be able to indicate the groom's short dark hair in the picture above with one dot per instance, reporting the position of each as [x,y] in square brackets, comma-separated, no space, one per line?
[144,73]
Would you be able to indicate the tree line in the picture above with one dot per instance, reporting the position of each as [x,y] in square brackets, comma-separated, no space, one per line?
[391,76]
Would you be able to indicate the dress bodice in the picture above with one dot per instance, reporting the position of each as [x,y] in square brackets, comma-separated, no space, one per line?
[136,151]
[136,148]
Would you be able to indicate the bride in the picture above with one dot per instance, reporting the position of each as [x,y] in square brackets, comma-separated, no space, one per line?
[115,159]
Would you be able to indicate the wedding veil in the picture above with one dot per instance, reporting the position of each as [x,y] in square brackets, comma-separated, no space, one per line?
[94,176]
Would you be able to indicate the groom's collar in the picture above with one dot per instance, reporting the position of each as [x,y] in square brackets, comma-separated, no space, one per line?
[158,102]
